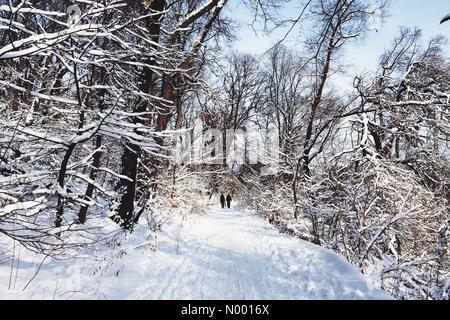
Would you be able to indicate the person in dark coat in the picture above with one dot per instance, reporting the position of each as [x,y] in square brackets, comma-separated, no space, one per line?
[228,201]
[222,201]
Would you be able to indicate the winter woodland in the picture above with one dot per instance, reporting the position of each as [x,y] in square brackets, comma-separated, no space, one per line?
[105,108]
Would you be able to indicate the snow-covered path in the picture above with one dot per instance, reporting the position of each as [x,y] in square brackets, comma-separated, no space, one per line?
[233,255]
[227,254]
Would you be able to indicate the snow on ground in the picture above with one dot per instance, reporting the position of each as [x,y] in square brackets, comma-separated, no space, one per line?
[226,254]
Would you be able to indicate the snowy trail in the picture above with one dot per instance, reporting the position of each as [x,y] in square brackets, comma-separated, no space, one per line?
[229,254]
[226,254]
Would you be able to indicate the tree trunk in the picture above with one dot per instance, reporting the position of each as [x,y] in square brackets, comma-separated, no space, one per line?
[314,107]
[131,152]
[82,215]
[128,187]
[61,178]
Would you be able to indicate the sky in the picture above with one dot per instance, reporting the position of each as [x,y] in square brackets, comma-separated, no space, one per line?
[363,57]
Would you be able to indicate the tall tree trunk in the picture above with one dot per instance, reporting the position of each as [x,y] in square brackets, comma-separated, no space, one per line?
[68,154]
[97,74]
[128,186]
[61,178]
[314,107]
[132,152]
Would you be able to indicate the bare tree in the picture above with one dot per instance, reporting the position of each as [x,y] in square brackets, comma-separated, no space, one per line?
[339,22]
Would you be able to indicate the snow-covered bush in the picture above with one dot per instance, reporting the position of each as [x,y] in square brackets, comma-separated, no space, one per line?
[183,192]
[380,217]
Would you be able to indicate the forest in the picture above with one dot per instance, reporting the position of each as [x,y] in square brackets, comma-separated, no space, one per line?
[117,115]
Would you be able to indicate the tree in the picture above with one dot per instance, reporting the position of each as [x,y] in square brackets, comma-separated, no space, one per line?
[338,23]
[110,78]
[411,107]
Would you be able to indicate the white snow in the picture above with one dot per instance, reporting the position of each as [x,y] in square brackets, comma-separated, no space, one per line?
[11,9]
[226,254]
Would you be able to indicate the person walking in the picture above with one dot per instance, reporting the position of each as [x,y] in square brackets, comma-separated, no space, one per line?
[222,201]
[228,201]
